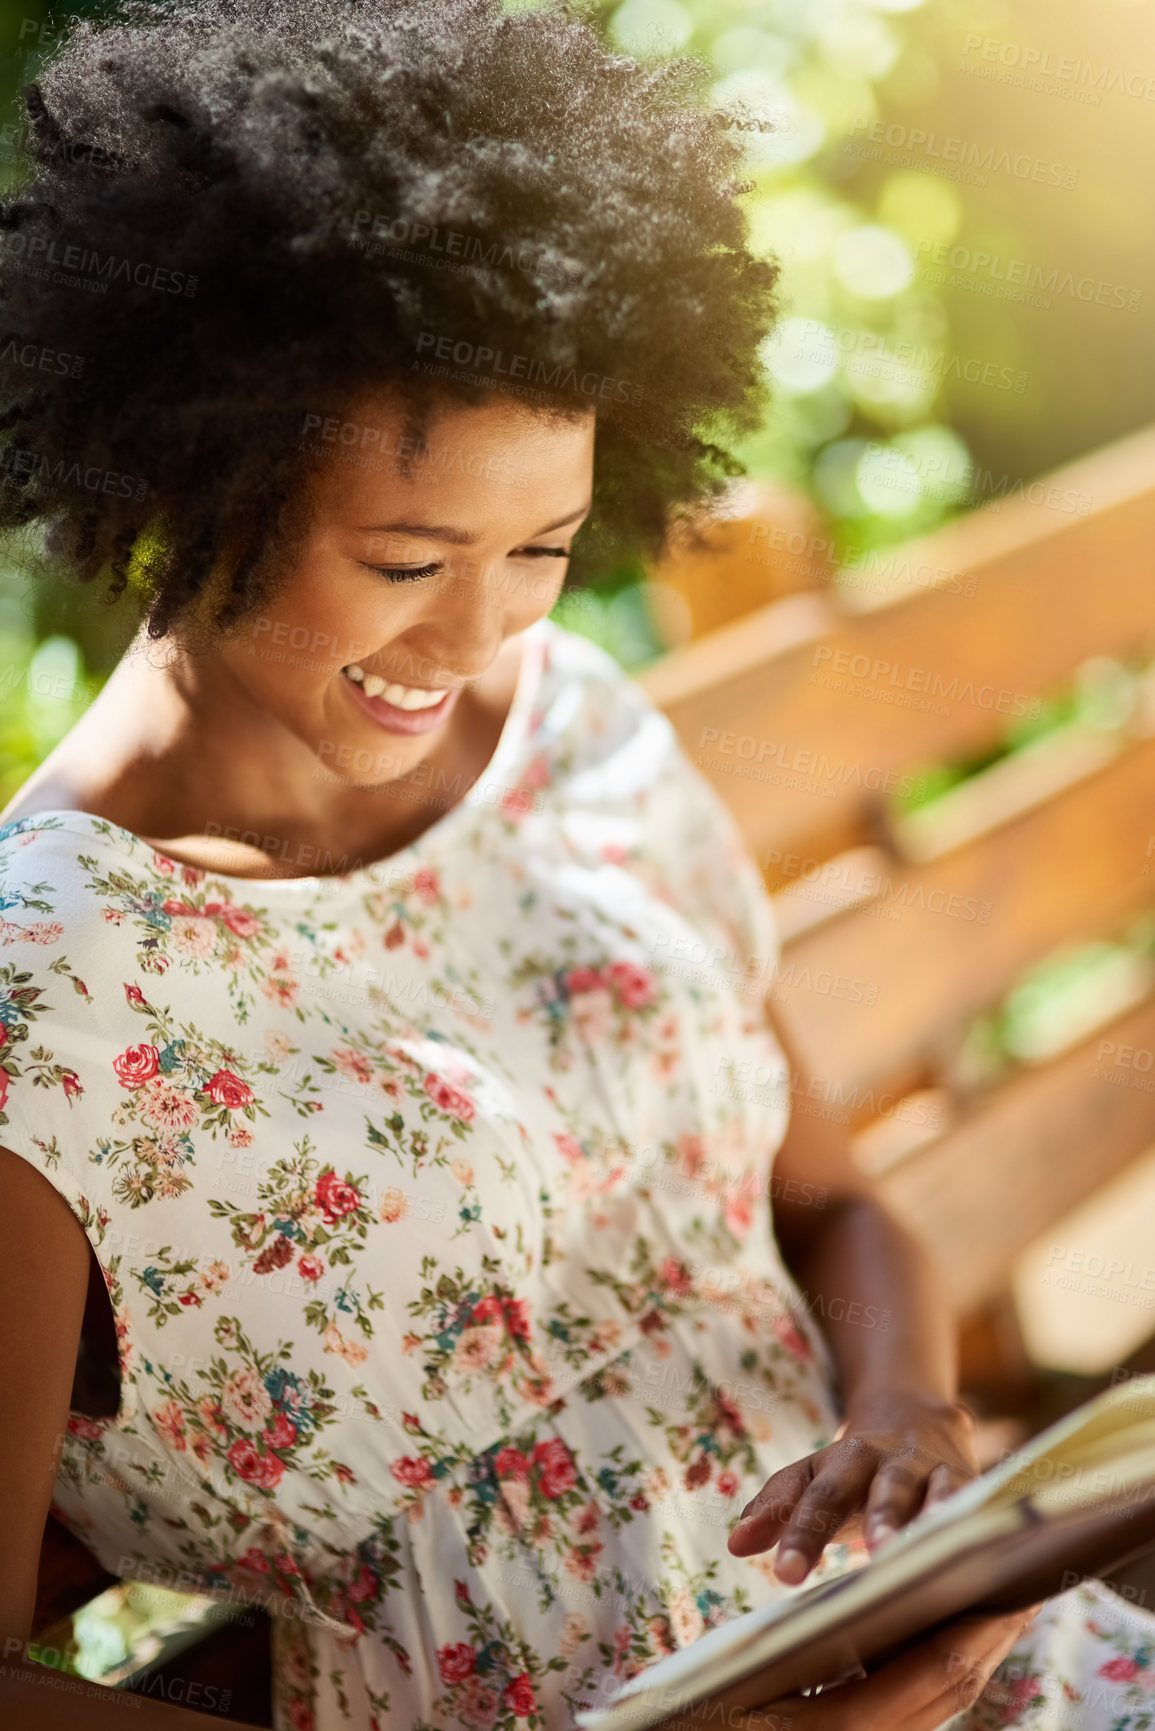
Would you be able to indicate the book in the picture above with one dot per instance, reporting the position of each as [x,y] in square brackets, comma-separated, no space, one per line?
[1076,1500]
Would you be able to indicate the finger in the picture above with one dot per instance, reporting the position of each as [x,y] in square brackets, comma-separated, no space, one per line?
[973,1649]
[895,1496]
[832,1497]
[944,1481]
[908,1694]
[763,1518]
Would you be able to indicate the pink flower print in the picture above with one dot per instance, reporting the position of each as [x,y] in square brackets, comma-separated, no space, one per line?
[163,865]
[448,1098]
[536,772]
[675,1277]
[86,1428]
[39,932]
[72,1085]
[240,921]
[170,1422]
[510,1463]
[167,1107]
[413,1472]
[787,1335]
[255,1468]
[135,997]
[191,875]
[568,1147]
[351,1351]
[225,1089]
[583,980]
[421,950]
[394,1205]
[245,1400]
[477,1349]
[209,1408]
[587,1518]
[519,1696]
[281,1433]
[1119,1670]
[280,989]
[615,854]
[352,1064]
[137,1065]
[583,1564]
[193,936]
[310,1267]
[634,986]
[556,1470]
[335,1197]
[301,1715]
[455,1662]
[427,885]
[728,1483]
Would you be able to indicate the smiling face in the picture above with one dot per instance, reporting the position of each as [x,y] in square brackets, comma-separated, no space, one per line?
[418,563]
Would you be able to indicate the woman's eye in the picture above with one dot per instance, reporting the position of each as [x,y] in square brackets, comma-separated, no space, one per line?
[404,573]
[543,553]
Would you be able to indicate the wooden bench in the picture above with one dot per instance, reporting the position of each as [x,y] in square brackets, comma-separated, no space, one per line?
[804,714]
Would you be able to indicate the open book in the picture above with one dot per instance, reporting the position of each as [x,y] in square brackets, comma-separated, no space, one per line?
[1079,1499]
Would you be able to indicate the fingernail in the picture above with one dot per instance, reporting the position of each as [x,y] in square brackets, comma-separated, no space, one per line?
[880,1530]
[790,1566]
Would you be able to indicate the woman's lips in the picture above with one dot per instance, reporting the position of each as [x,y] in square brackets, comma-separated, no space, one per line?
[395,720]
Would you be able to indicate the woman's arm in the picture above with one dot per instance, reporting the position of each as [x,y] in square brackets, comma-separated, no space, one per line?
[43,1281]
[883,1308]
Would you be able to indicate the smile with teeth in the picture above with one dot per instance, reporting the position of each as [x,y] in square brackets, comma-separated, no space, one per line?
[400,696]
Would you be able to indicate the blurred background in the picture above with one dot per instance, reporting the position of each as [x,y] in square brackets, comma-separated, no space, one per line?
[958,192]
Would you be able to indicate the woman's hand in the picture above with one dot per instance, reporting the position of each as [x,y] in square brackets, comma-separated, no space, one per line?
[897,1453]
[918,1691]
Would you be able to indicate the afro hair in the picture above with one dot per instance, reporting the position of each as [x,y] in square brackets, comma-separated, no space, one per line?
[238,215]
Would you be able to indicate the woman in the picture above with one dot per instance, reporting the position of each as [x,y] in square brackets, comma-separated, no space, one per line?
[444,1308]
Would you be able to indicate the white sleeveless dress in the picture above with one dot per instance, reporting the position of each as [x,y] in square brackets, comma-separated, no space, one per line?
[438,1233]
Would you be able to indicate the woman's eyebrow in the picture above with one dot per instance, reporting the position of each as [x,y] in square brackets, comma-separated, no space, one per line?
[460,537]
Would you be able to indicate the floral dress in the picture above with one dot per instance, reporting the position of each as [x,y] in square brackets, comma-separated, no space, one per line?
[434,1203]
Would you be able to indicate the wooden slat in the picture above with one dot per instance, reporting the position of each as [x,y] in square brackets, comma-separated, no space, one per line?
[1070,870]
[1051,588]
[1044,1142]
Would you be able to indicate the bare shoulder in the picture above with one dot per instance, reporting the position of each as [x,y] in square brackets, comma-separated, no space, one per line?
[48,789]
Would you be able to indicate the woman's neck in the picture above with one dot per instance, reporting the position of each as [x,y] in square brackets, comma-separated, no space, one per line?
[174,751]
